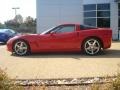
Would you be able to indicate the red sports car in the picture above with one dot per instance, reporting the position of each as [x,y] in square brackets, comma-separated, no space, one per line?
[63,38]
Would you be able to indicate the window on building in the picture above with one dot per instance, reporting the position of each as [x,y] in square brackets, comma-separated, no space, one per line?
[90,14]
[119,15]
[90,21]
[103,6]
[90,7]
[119,22]
[100,17]
[103,13]
[118,5]
[103,22]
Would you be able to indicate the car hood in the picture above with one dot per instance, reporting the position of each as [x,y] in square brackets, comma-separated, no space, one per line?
[24,36]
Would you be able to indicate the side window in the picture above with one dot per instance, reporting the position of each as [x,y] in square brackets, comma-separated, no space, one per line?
[56,29]
[85,27]
[82,27]
[65,29]
[9,32]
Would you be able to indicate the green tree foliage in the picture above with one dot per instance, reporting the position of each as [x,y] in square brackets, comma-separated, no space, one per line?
[30,21]
[29,25]
[2,25]
[12,24]
[18,19]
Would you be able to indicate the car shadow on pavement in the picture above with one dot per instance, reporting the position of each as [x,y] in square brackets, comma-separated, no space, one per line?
[111,53]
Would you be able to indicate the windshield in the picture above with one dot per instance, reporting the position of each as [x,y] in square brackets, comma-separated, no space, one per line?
[7,31]
[47,31]
[2,30]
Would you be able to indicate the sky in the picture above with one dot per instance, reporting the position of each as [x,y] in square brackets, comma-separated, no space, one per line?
[27,8]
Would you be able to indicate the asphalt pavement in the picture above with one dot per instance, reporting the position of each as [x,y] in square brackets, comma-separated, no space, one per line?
[60,65]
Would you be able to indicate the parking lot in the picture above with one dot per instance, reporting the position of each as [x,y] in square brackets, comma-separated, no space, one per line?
[60,65]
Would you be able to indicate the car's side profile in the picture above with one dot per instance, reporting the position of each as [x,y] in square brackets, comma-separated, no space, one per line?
[63,38]
[6,34]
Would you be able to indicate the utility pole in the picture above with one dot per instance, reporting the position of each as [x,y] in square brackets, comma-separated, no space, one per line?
[15,8]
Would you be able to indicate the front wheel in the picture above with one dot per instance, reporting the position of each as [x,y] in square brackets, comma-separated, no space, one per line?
[21,48]
[92,46]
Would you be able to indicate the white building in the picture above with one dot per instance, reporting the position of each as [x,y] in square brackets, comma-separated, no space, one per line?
[99,13]
[54,12]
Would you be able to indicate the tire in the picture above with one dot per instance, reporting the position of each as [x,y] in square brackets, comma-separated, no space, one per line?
[92,46]
[21,48]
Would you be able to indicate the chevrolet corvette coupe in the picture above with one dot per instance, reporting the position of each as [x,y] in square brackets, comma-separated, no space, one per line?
[63,38]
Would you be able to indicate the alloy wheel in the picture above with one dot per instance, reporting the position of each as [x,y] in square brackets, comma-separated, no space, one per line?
[92,46]
[20,48]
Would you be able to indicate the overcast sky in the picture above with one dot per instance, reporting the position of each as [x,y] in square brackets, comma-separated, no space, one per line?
[27,8]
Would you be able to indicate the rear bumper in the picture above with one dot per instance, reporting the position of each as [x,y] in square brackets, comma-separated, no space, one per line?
[107,43]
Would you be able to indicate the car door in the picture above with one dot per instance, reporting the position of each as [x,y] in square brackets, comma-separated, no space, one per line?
[61,38]
[46,40]
[65,38]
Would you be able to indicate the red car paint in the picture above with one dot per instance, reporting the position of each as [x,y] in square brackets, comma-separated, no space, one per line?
[61,42]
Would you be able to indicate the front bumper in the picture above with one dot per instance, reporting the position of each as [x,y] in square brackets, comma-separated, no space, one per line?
[9,46]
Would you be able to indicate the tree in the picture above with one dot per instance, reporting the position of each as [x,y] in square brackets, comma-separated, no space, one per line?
[2,25]
[18,19]
[12,24]
[28,26]
[29,21]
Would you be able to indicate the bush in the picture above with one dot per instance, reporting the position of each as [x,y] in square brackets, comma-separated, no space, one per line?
[116,82]
[113,85]
[6,83]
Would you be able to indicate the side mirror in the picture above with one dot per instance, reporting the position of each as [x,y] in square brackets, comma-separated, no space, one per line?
[52,33]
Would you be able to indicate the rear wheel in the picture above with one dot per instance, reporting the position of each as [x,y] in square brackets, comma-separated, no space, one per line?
[92,46]
[21,48]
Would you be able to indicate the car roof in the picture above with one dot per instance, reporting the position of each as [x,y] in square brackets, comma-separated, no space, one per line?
[4,30]
[70,24]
